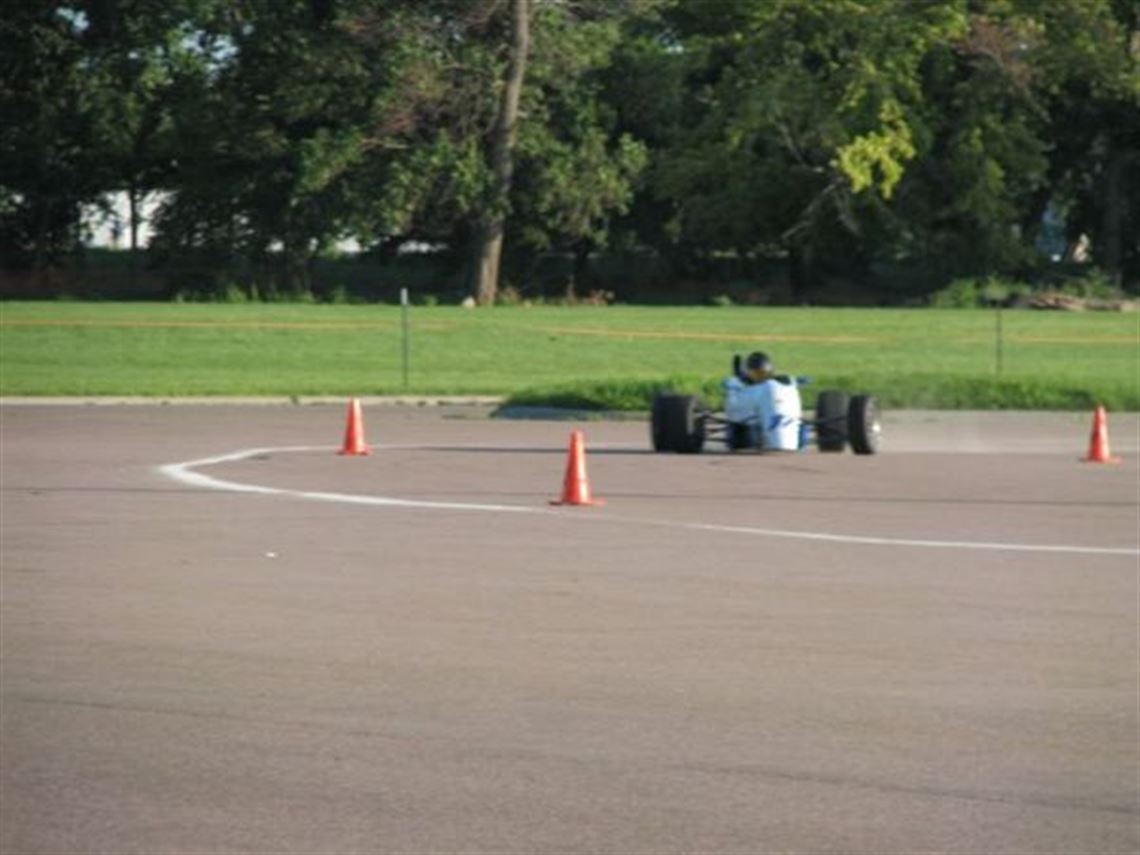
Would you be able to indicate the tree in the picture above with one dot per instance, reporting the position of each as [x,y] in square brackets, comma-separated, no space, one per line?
[306,102]
[968,201]
[143,53]
[1088,81]
[49,164]
[489,240]
[575,169]
[800,119]
[831,136]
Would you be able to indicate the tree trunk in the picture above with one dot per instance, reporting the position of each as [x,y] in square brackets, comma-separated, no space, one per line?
[801,271]
[1112,234]
[580,270]
[488,253]
[133,214]
[39,241]
[294,265]
[489,237]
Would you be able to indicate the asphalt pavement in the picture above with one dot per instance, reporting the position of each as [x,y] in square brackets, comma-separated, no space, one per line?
[218,635]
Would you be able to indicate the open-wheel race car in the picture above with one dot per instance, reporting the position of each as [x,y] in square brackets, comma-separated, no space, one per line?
[763,411]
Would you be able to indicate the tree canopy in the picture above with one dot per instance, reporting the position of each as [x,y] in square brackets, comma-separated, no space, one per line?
[836,137]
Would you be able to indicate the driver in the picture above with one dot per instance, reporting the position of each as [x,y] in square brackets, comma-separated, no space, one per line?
[769,404]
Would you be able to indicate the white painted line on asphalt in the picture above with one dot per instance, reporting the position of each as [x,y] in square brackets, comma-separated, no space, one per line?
[186,473]
[900,541]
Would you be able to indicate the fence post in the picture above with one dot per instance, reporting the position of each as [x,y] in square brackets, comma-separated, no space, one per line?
[998,342]
[404,334]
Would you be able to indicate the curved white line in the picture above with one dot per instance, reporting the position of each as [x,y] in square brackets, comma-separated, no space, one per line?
[900,541]
[185,473]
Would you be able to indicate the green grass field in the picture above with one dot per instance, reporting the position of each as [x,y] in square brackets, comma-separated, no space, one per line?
[593,356]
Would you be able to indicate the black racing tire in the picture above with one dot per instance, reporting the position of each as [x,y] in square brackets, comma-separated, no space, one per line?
[863,426]
[657,424]
[831,421]
[678,423]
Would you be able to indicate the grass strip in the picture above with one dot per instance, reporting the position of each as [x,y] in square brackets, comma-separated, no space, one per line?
[600,357]
[896,391]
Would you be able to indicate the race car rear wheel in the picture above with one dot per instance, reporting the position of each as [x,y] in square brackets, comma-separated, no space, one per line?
[863,427]
[678,423]
[657,425]
[831,420]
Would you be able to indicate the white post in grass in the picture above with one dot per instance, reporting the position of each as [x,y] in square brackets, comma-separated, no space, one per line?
[404,333]
[998,342]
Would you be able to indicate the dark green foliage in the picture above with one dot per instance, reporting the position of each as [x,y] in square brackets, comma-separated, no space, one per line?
[874,149]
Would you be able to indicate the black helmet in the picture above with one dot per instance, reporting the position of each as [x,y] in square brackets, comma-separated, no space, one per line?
[759,361]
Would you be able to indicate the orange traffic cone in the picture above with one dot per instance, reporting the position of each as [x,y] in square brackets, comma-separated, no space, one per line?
[576,486]
[354,431]
[1098,440]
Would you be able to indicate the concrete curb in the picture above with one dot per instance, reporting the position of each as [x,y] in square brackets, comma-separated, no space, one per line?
[494,404]
[269,401]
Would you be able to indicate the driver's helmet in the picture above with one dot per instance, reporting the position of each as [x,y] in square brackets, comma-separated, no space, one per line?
[759,363]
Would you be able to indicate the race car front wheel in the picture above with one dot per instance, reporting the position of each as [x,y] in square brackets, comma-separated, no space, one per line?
[678,423]
[831,420]
[863,427]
